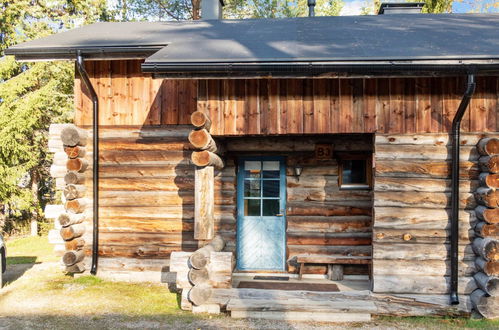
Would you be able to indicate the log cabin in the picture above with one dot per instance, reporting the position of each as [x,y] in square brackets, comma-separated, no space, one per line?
[314,168]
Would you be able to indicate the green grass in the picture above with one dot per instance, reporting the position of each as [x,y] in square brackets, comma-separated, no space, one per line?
[439,322]
[30,249]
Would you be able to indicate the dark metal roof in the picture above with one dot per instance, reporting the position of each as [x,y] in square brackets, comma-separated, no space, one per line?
[443,38]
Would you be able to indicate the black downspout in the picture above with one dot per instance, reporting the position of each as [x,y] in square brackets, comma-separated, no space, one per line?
[95,126]
[454,229]
[311,8]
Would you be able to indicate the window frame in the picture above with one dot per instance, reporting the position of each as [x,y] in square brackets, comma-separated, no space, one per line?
[356,186]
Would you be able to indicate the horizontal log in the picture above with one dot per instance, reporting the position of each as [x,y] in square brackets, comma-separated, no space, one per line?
[200,120]
[328,209]
[489,163]
[489,180]
[420,284]
[346,224]
[73,177]
[489,284]
[421,199]
[60,158]
[423,152]
[57,171]
[421,267]
[358,250]
[488,215]
[144,144]
[419,251]
[422,184]
[206,158]
[71,232]
[145,157]
[198,276]
[329,171]
[68,219]
[434,236]
[486,248]
[135,171]
[201,257]
[484,229]
[72,257]
[300,238]
[75,244]
[52,211]
[200,294]
[491,268]
[76,268]
[202,140]
[77,165]
[144,250]
[488,307]
[75,152]
[73,136]
[418,218]
[72,191]
[487,197]
[326,195]
[77,205]
[414,168]
[488,146]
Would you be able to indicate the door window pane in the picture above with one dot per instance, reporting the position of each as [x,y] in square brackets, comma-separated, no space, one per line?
[270,207]
[271,169]
[252,207]
[251,188]
[252,169]
[270,188]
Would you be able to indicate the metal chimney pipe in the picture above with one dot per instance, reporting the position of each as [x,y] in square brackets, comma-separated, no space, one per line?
[311,8]
[211,9]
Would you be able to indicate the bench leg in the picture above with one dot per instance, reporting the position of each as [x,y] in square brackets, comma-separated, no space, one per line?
[335,272]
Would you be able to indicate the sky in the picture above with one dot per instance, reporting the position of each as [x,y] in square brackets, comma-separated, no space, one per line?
[353,7]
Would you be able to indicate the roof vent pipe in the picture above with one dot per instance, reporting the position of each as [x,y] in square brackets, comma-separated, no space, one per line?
[311,8]
[389,8]
[211,9]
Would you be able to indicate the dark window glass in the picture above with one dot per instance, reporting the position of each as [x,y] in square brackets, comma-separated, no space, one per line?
[354,172]
[270,207]
[271,188]
[252,207]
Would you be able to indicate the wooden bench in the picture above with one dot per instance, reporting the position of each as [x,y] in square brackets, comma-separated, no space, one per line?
[334,263]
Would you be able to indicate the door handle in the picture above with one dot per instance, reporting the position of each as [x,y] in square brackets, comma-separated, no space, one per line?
[279,215]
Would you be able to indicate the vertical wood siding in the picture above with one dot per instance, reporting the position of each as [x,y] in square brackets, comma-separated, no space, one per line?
[286,106]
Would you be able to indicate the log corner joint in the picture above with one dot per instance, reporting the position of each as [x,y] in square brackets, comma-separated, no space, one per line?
[454,237]
[80,65]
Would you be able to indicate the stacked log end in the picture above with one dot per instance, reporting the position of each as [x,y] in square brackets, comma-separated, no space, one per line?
[72,221]
[485,299]
[206,159]
[199,272]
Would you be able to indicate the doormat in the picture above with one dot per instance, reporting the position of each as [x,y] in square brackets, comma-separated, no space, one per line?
[324,287]
[272,278]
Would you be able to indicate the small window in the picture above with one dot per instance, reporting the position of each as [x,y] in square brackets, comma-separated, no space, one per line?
[355,172]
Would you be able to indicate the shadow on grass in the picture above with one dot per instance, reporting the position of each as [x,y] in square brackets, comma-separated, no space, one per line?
[17,266]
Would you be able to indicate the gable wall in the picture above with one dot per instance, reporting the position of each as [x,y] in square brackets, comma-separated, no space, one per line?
[291,106]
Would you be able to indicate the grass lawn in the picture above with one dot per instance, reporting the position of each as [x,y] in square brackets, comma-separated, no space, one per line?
[43,297]
[30,249]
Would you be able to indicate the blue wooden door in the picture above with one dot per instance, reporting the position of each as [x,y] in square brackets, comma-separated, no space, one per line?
[261,220]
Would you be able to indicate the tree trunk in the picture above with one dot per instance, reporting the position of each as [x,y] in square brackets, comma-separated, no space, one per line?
[73,177]
[71,257]
[199,294]
[200,258]
[487,197]
[487,248]
[489,180]
[74,231]
[75,152]
[488,146]
[73,136]
[202,140]
[206,158]
[488,215]
[196,6]
[489,164]
[201,120]
[77,165]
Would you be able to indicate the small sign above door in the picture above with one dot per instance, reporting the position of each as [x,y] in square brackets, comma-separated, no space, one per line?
[323,151]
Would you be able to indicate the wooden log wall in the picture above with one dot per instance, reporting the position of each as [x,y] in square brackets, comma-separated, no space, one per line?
[287,106]
[485,299]
[412,207]
[321,218]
